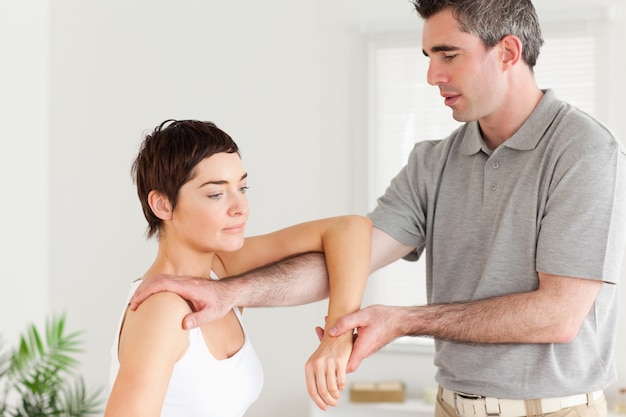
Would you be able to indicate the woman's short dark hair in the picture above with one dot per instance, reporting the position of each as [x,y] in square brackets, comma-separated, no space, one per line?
[492,20]
[168,157]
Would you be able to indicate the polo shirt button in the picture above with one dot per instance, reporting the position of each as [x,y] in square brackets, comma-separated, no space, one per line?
[496,165]
[494,186]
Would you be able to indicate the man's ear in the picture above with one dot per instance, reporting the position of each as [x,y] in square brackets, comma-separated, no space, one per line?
[160,205]
[511,47]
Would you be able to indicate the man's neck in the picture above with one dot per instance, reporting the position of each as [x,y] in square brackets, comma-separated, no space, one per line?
[516,109]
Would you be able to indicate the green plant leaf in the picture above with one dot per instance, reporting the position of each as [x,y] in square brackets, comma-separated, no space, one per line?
[76,402]
[39,371]
[38,365]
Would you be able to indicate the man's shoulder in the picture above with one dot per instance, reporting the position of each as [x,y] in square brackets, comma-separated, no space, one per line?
[578,123]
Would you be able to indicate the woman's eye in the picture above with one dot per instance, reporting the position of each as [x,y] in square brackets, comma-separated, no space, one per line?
[215,196]
[244,189]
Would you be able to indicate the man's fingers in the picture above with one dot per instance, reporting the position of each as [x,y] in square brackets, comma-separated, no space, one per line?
[203,313]
[353,364]
[342,325]
[190,321]
[142,293]
[357,355]
[320,333]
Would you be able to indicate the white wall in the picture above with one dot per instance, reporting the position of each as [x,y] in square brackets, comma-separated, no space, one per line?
[81,81]
[24,160]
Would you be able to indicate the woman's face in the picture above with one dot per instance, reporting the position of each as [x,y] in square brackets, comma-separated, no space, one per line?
[212,208]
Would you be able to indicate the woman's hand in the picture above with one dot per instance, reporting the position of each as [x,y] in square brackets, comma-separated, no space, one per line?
[326,369]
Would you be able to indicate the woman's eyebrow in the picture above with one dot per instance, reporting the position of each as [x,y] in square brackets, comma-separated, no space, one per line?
[220,182]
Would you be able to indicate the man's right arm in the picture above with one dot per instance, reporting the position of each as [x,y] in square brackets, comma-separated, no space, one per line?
[296,280]
[293,281]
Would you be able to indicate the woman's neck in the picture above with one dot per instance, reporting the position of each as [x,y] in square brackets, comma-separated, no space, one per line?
[180,260]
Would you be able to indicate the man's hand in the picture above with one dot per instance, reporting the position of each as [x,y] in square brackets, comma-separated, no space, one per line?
[210,299]
[373,331]
[326,369]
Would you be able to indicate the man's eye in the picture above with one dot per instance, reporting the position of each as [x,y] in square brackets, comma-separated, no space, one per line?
[449,57]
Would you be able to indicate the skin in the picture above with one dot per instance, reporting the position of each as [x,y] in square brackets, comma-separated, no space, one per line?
[206,232]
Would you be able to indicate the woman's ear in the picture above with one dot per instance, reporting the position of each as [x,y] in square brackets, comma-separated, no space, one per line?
[160,205]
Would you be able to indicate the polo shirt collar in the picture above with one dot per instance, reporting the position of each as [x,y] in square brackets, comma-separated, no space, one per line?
[528,136]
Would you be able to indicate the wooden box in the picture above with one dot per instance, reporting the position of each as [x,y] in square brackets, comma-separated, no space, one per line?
[370,392]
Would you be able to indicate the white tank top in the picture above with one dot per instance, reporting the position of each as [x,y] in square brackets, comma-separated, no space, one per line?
[202,386]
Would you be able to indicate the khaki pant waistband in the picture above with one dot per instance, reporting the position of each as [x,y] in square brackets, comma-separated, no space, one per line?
[468,405]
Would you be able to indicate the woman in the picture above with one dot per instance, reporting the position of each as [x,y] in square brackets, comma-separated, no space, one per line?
[192,187]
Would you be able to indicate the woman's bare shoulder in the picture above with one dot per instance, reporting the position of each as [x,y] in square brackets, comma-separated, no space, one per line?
[158,320]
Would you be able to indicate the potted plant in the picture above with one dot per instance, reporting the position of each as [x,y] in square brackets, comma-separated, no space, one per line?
[38,378]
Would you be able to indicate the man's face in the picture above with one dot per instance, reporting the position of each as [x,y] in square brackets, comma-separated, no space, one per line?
[467,74]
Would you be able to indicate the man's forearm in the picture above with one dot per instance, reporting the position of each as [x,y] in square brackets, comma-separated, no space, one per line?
[296,280]
[552,314]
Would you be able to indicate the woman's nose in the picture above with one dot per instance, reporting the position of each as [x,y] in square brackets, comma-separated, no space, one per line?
[240,205]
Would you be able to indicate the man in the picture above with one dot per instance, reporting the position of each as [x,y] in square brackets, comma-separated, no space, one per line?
[521,214]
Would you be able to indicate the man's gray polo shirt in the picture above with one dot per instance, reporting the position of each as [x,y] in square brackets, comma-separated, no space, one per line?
[552,199]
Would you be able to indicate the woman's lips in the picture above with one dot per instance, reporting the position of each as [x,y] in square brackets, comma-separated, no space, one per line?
[235,229]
